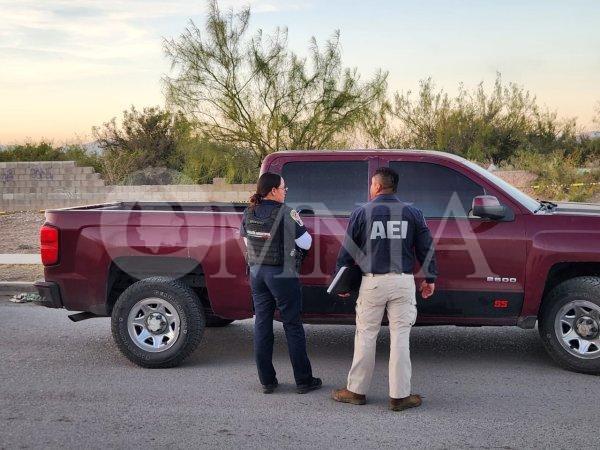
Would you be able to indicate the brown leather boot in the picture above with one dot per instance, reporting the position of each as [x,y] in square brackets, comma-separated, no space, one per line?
[346,396]
[400,404]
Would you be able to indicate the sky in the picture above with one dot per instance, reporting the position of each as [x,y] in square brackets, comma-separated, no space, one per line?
[68,65]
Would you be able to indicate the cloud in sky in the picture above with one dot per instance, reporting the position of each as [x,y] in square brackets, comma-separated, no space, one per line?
[80,53]
[74,39]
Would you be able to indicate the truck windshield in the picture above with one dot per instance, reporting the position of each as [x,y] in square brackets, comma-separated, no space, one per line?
[524,199]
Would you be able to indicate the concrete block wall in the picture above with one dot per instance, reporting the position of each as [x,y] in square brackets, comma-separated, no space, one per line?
[45,185]
[47,176]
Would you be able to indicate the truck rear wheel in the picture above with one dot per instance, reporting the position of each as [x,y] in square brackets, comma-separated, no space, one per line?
[157,322]
[570,324]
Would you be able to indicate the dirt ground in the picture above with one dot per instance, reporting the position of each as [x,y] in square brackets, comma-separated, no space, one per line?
[21,272]
[20,232]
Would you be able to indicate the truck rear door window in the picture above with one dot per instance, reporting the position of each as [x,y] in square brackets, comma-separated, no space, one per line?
[326,187]
[436,190]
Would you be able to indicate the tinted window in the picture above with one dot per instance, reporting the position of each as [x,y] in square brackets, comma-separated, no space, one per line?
[327,187]
[436,190]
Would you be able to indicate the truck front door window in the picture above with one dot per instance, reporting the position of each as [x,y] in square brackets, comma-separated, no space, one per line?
[436,190]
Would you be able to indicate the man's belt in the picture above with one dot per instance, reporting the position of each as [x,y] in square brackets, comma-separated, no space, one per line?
[385,274]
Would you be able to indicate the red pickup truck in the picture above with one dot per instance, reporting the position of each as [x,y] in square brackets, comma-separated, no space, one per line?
[165,271]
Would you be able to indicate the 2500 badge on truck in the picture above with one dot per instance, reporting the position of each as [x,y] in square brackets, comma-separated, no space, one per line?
[165,271]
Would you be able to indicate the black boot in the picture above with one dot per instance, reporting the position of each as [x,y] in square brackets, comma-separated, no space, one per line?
[314,383]
[269,388]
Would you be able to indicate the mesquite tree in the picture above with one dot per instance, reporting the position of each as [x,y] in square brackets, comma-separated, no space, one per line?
[251,91]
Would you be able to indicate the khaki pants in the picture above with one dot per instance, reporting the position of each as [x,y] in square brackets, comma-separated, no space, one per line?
[396,293]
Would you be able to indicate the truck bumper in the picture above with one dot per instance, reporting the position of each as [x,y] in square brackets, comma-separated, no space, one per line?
[50,294]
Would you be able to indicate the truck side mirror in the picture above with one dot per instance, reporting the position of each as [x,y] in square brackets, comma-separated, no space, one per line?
[488,207]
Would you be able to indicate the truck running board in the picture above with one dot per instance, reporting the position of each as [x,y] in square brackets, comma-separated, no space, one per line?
[82,316]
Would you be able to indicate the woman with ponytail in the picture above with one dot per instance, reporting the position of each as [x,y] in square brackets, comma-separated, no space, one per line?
[274,234]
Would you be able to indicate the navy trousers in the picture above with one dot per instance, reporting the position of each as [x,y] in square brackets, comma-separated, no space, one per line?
[271,290]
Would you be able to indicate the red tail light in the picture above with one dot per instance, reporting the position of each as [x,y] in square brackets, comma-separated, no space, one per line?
[49,245]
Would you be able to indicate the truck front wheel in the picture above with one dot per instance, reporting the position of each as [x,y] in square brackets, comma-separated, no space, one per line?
[570,324]
[157,322]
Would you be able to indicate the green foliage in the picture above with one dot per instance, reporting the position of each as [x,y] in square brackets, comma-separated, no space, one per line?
[46,151]
[205,160]
[143,139]
[252,92]
[479,125]
[560,176]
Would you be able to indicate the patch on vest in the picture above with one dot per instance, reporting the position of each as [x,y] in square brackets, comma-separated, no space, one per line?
[258,235]
[294,215]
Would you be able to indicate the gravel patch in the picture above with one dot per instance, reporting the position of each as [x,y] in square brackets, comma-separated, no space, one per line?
[21,272]
[20,232]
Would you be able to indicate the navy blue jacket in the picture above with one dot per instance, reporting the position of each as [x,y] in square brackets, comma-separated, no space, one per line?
[385,235]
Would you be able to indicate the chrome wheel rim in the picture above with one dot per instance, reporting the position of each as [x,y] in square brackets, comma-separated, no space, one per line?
[577,327]
[153,324]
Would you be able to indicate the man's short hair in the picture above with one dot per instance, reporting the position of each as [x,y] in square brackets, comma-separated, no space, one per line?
[388,178]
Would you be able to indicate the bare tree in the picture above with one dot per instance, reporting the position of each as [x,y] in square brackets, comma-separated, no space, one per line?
[253,92]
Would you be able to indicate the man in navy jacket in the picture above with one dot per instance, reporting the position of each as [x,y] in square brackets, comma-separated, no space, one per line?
[384,238]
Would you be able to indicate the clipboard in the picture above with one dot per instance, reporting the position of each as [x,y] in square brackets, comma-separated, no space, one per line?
[347,279]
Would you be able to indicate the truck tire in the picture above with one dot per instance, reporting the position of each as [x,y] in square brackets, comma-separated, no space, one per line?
[214,321]
[569,324]
[157,322]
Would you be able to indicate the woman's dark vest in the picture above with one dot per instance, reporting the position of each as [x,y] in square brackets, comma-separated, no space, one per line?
[265,241]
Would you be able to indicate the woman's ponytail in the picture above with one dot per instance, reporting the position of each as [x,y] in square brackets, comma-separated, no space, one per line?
[255,199]
[264,186]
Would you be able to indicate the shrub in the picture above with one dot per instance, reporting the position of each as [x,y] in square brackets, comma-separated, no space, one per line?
[559,175]
[46,151]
